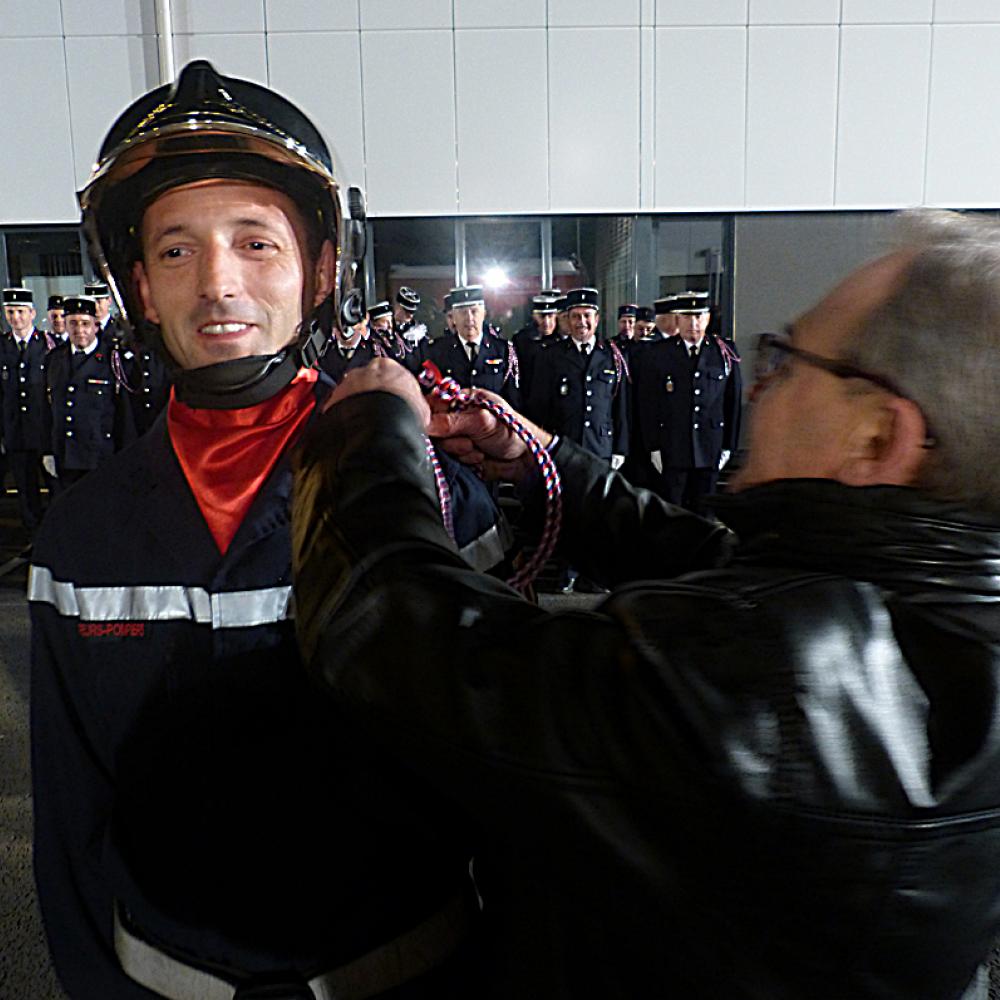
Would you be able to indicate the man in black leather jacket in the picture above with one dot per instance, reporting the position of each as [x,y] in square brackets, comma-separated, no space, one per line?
[776,775]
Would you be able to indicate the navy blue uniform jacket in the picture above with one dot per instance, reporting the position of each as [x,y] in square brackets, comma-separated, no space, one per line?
[490,370]
[22,393]
[89,416]
[689,413]
[182,763]
[582,398]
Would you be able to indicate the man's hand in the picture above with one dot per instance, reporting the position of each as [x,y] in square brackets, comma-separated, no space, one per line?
[49,465]
[477,437]
[382,375]
[657,460]
[617,461]
[723,459]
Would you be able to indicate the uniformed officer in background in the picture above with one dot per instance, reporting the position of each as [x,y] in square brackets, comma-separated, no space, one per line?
[353,347]
[57,319]
[562,318]
[449,322]
[23,361]
[580,387]
[89,417]
[474,356]
[645,323]
[107,325]
[381,325]
[413,334]
[626,324]
[532,337]
[580,390]
[665,317]
[688,394]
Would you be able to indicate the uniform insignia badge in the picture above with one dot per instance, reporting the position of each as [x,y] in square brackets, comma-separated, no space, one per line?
[563,389]
[494,361]
[98,381]
[670,384]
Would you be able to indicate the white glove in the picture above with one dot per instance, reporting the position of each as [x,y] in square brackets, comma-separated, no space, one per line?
[49,465]
[657,459]
[616,462]
[416,333]
[723,459]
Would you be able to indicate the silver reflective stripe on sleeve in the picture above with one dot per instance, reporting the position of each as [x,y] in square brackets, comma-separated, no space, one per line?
[486,551]
[159,602]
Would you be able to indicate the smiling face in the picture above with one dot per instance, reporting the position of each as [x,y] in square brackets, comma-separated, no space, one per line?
[20,318]
[583,322]
[226,273]
[82,330]
[469,320]
[57,321]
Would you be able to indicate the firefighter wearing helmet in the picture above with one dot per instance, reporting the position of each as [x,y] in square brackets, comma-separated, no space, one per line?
[205,825]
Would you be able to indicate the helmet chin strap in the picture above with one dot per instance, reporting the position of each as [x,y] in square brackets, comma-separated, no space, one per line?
[242,382]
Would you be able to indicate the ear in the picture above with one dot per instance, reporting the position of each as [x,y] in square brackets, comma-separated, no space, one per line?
[888,444]
[324,274]
[141,280]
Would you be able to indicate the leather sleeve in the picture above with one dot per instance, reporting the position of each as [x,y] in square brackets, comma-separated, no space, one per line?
[616,534]
[477,685]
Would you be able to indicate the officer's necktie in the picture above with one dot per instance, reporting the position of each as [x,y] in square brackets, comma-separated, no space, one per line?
[585,350]
[473,353]
[693,349]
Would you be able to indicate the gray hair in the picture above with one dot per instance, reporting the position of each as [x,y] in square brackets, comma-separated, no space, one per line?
[938,339]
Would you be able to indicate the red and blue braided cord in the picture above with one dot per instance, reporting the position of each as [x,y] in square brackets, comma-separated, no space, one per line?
[448,390]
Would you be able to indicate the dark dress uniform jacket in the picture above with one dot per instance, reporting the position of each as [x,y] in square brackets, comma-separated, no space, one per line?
[149,383]
[489,371]
[334,362]
[22,393]
[183,764]
[582,398]
[90,419]
[773,780]
[688,412]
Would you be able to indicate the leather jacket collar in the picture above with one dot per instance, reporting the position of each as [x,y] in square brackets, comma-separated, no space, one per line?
[893,536]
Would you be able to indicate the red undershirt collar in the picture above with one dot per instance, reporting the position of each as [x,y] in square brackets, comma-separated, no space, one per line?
[227,455]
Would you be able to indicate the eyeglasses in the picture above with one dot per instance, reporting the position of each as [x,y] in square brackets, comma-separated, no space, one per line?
[774,349]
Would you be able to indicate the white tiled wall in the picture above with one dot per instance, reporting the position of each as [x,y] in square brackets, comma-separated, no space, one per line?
[38,183]
[104,74]
[701,117]
[107,17]
[308,15]
[409,106]
[700,13]
[791,116]
[477,106]
[963,141]
[505,172]
[593,118]
[332,95]
[794,11]
[884,77]
[38,19]
[218,16]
